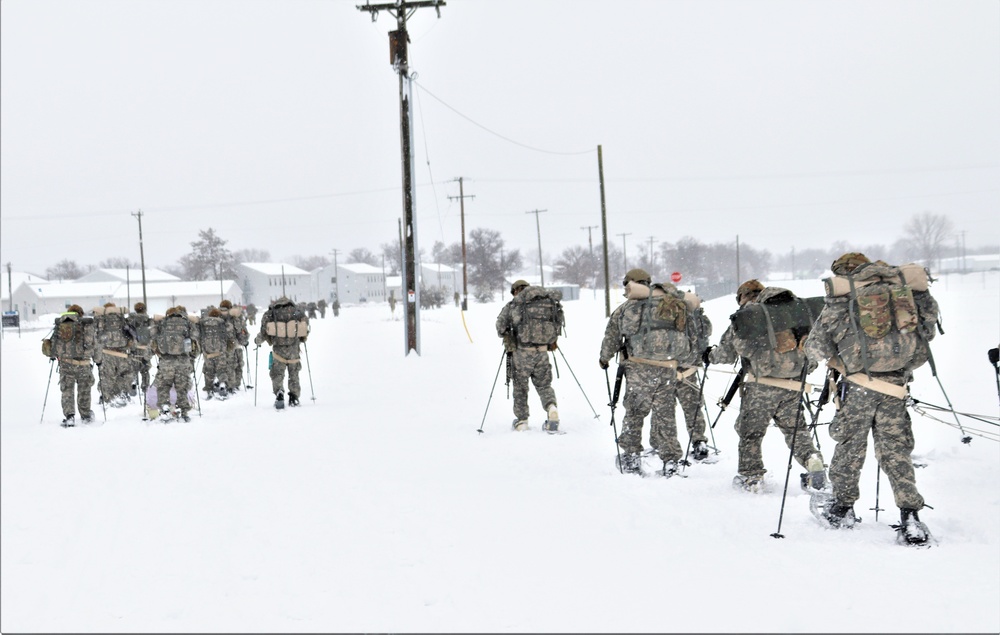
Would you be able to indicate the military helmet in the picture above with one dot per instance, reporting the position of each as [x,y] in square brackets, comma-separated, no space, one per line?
[225,304]
[76,308]
[108,305]
[517,286]
[215,312]
[748,291]
[140,307]
[637,275]
[848,263]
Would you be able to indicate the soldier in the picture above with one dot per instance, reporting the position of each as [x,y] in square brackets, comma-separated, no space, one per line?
[139,322]
[528,335]
[252,313]
[311,310]
[771,390]
[74,344]
[175,342]
[217,339]
[116,372]
[392,306]
[690,393]
[321,305]
[284,327]
[875,331]
[234,355]
[650,332]
[336,307]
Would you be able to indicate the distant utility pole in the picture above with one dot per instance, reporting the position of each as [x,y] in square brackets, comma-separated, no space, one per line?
[10,290]
[624,253]
[651,239]
[336,275]
[739,278]
[538,227]
[604,230]
[142,259]
[590,237]
[399,58]
[465,276]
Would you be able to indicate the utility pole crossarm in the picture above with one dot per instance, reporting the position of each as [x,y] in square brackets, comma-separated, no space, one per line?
[394,8]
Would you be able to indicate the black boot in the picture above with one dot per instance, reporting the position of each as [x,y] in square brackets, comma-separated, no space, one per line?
[910,530]
[293,399]
[841,516]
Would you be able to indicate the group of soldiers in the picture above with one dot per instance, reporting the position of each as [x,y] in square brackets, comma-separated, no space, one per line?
[872,329]
[123,345]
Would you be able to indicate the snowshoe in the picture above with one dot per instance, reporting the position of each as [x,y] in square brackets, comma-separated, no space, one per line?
[911,531]
[750,484]
[293,399]
[830,513]
[69,421]
[699,451]
[629,464]
[552,427]
[208,394]
[279,402]
[519,425]
[669,470]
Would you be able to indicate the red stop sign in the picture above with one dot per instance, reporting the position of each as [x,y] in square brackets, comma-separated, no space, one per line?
[675,276]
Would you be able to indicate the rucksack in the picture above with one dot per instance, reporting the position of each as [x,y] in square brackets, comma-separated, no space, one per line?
[112,330]
[287,325]
[213,335]
[658,329]
[234,315]
[770,332]
[537,316]
[140,326]
[172,335]
[69,338]
[890,316]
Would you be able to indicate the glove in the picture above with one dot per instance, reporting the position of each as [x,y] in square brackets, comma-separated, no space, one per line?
[257,340]
[603,364]
[553,346]
[811,365]
[994,355]
[706,355]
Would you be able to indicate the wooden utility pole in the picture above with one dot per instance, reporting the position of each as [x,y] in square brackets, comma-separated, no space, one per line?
[624,252]
[10,290]
[336,275]
[604,229]
[465,276]
[142,259]
[538,228]
[651,239]
[399,58]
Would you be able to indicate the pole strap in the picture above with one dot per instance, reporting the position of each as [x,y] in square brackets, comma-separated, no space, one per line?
[788,384]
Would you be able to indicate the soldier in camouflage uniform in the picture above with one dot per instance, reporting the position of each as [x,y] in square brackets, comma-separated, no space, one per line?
[142,355]
[650,330]
[252,313]
[234,355]
[530,361]
[78,346]
[175,343]
[767,395]
[321,305]
[872,395]
[116,372]
[284,348]
[689,389]
[217,339]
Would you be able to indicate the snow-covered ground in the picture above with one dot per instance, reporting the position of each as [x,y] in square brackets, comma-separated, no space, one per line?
[377,506]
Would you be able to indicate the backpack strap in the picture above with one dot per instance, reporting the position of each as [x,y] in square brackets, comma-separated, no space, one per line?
[862,339]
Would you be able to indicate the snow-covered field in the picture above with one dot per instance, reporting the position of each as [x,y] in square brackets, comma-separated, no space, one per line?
[377,506]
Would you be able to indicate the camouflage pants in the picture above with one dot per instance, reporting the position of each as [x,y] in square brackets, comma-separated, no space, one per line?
[278,368]
[862,410]
[214,369]
[116,375]
[650,388]
[80,376]
[759,404]
[173,371]
[534,366]
[141,364]
[236,369]
[692,401]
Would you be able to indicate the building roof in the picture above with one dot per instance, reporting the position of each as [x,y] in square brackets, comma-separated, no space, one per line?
[437,266]
[360,267]
[73,289]
[152,275]
[16,278]
[274,268]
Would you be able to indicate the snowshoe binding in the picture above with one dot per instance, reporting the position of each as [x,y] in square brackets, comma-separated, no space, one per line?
[699,451]
[279,402]
[69,421]
[750,484]
[830,513]
[519,425]
[629,463]
[911,531]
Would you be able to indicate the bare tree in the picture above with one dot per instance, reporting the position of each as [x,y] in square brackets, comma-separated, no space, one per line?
[363,255]
[310,263]
[489,264]
[251,255]
[575,265]
[64,270]
[209,258]
[118,262]
[926,233]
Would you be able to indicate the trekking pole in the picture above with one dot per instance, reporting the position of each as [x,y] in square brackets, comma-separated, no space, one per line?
[791,450]
[724,402]
[309,371]
[701,400]
[502,356]
[613,401]
[197,391]
[256,372]
[878,482]
[596,416]
[555,363]
[100,389]
[47,386]
[510,370]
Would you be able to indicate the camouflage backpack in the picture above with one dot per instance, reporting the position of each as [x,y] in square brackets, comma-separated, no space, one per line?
[234,315]
[140,323]
[172,335]
[771,331]
[537,316]
[213,335]
[69,337]
[658,328]
[112,331]
[287,325]
[890,319]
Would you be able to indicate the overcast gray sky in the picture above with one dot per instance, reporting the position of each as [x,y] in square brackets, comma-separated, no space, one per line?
[277,123]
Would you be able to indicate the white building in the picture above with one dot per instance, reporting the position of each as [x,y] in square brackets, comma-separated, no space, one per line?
[444,277]
[13,281]
[264,282]
[360,282]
